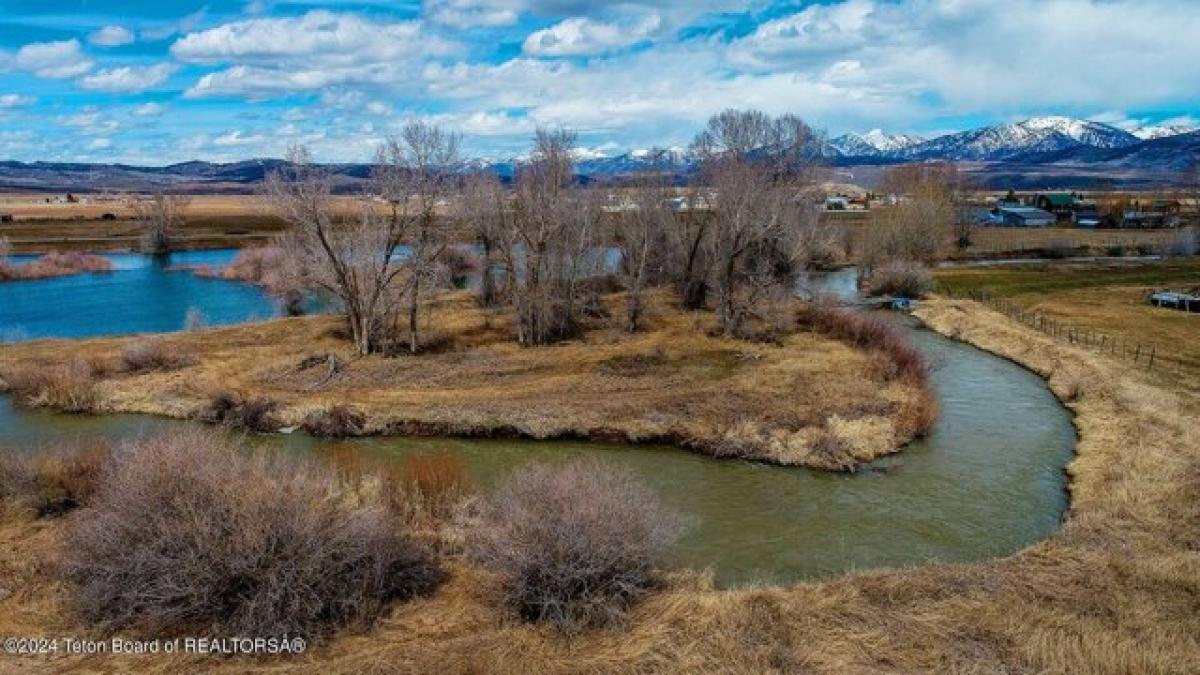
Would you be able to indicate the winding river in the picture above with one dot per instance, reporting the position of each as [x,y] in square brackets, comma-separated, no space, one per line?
[988,481]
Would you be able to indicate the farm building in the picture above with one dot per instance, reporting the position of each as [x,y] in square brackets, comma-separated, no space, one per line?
[1024,216]
[1061,204]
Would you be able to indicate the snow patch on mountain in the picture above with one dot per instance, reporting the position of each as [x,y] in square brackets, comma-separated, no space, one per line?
[1163,131]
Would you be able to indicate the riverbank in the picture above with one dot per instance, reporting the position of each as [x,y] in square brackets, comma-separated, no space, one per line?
[808,401]
[1117,590]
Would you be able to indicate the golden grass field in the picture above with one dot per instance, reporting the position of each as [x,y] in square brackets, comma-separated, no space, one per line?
[673,383]
[1116,590]
[1108,298]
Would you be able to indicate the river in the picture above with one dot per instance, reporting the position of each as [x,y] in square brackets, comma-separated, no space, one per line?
[988,481]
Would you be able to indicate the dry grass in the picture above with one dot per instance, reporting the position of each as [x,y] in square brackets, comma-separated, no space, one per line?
[154,354]
[1108,299]
[68,386]
[1115,591]
[54,265]
[671,383]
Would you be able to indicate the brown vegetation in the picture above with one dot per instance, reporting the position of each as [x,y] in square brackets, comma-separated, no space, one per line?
[54,265]
[68,386]
[573,545]
[1112,592]
[154,354]
[188,534]
[52,482]
[673,382]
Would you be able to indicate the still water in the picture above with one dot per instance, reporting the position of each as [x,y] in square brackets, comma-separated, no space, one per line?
[988,480]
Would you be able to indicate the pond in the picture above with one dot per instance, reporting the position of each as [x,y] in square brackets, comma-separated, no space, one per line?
[988,481]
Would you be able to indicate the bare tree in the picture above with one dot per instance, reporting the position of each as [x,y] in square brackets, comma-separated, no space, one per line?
[551,233]
[641,227]
[415,173]
[160,215]
[756,166]
[484,207]
[923,219]
[354,261]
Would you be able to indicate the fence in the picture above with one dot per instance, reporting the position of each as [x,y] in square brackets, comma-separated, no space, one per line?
[1142,355]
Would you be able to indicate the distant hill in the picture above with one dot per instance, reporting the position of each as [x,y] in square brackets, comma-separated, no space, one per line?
[1041,151]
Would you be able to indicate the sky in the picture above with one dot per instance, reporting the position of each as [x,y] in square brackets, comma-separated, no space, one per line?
[154,83]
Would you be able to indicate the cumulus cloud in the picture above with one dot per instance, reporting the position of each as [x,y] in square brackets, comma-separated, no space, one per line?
[580,36]
[470,13]
[128,79]
[317,50]
[54,60]
[236,138]
[111,36]
[15,100]
[90,122]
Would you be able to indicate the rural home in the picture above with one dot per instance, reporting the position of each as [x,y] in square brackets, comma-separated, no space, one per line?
[1061,204]
[1024,216]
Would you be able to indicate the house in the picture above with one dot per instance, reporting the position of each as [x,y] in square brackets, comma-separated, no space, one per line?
[1061,204]
[1147,220]
[1024,216]
[838,203]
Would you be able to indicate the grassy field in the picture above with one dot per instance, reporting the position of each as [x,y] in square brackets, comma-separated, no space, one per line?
[1107,298]
[673,383]
[1116,590]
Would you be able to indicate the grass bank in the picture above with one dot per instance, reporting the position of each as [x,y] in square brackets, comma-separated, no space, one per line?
[1117,590]
[1107,298]
[809,400]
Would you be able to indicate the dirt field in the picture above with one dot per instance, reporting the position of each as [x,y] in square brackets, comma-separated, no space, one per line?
[1117,590]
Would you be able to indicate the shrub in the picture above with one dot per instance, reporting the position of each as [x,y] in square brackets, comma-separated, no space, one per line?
[67,387]
[191,534]
[55,265]
[901,278]
[426,488]
[153,354]
[240,412]
[573,545]
[1059,249]
[53,482]
[339,421]
[867,331]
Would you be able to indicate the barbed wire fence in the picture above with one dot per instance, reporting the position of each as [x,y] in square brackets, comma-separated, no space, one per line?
[1139,354]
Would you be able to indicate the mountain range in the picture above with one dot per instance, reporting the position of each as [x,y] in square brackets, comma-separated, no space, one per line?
[1041,151]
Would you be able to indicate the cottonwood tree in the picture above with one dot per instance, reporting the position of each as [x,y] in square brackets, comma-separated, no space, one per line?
[755,166]
[354,261]
[551,231]
[924,217]
[641,226]
[415,173]
[160,216]
[484,207]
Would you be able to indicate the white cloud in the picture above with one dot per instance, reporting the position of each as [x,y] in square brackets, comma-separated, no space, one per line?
[580,36]
[150,109]
[183,25]
[90,122]
[54,60]
[312,52]
[818,30]
[469,13]
[236,138]
[128,79]
[100,144]
[111,36]
[15,100]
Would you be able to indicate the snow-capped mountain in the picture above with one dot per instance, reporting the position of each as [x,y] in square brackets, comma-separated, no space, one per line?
[874,143]
[1021,140]
[1163,131]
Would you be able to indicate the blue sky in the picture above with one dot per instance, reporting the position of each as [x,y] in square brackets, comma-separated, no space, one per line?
[167,81]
